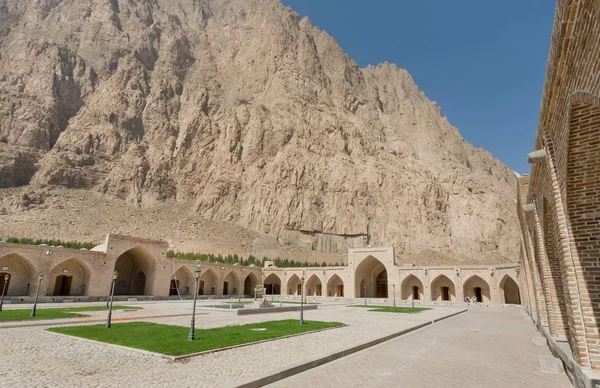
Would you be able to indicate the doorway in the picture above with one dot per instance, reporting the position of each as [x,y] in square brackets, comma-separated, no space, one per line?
[445,293]
[299,289]
[340,290]
[381,284]
[225,288]
[478,294]
[62,286]
[416,295]
[174,287]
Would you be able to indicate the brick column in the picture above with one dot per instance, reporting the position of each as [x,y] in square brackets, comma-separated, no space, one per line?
[538,282]
[571,282]
[550,280]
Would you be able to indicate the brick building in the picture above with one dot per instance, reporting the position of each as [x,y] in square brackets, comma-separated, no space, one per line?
[558,204]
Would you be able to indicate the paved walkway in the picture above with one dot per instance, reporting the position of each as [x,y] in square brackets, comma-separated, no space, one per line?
[481,348]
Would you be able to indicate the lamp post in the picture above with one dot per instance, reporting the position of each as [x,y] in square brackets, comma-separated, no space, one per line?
[394,286]
[302,302]
[192,336]
[365,295]
[37,293]
[112,293]
[6,277]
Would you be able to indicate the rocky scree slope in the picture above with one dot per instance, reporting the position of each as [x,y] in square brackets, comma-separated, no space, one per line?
[249,112]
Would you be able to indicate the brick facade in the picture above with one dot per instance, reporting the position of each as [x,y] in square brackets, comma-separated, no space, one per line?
[563,188]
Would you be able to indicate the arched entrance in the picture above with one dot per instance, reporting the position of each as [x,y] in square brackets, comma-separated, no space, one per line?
[250,284]
[509,290]
[231,284]
[294,285]
[412,288]
[371,277]
[477,287]
[69,278]
[273,285]
[207,284]
[442,289]
[314,287]
[182,282]
[335,286]
[21,272]
[135,272]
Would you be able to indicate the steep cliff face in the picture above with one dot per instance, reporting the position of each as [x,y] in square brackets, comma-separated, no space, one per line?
[251,113]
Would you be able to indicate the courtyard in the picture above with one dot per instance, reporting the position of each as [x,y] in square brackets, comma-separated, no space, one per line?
[475,346]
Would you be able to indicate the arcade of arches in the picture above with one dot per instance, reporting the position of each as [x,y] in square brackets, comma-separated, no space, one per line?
[143,270]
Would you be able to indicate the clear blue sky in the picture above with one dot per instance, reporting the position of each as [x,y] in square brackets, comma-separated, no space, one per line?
[484,62]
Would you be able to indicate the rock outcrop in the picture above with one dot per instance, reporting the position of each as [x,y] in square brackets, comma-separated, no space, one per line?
[251,113]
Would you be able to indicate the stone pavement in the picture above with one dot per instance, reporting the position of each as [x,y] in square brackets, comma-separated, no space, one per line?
[32,357]
[481,348]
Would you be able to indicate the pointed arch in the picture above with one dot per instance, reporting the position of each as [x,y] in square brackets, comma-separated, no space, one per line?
[443,289]
[314,286]
[231,283]
[294,285]
[273,284]
[250,284]
[371,276]
[335,286]
[135,269]
[412,288]
[70,277]
[21,271]
[208,282]
[182,281]
[509,290]
[475,286]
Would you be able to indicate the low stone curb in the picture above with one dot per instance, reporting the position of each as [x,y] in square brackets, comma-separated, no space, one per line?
[272,377]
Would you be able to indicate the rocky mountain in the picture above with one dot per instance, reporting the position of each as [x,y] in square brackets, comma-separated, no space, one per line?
[251,114]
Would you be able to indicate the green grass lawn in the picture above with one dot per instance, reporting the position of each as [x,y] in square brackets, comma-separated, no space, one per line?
[390,309]
[172,340]
[292,302]
[238,302]
[49,313]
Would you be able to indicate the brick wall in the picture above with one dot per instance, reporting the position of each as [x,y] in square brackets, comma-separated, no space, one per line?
[564,230]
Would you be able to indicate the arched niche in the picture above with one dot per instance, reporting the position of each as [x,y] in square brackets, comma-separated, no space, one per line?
[412,288]
[272,285]
[314,286]
[335,286]
[442,289]
[250,283]
[509,291]
[21,271]
[231,284]
[294,285]
[69,278]
[208,282]
[371,277]
[475,286]
[182,282]
[135,269]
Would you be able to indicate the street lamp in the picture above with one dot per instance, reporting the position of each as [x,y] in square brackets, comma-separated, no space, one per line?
[191,336]
[112,293]
[6,277]
[365,295]
[394,286]
[302,302]
[37,293]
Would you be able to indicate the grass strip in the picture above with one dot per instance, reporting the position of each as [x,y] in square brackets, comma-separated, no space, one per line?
[292,302]
[55,313]
[172,340]
[390,309]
